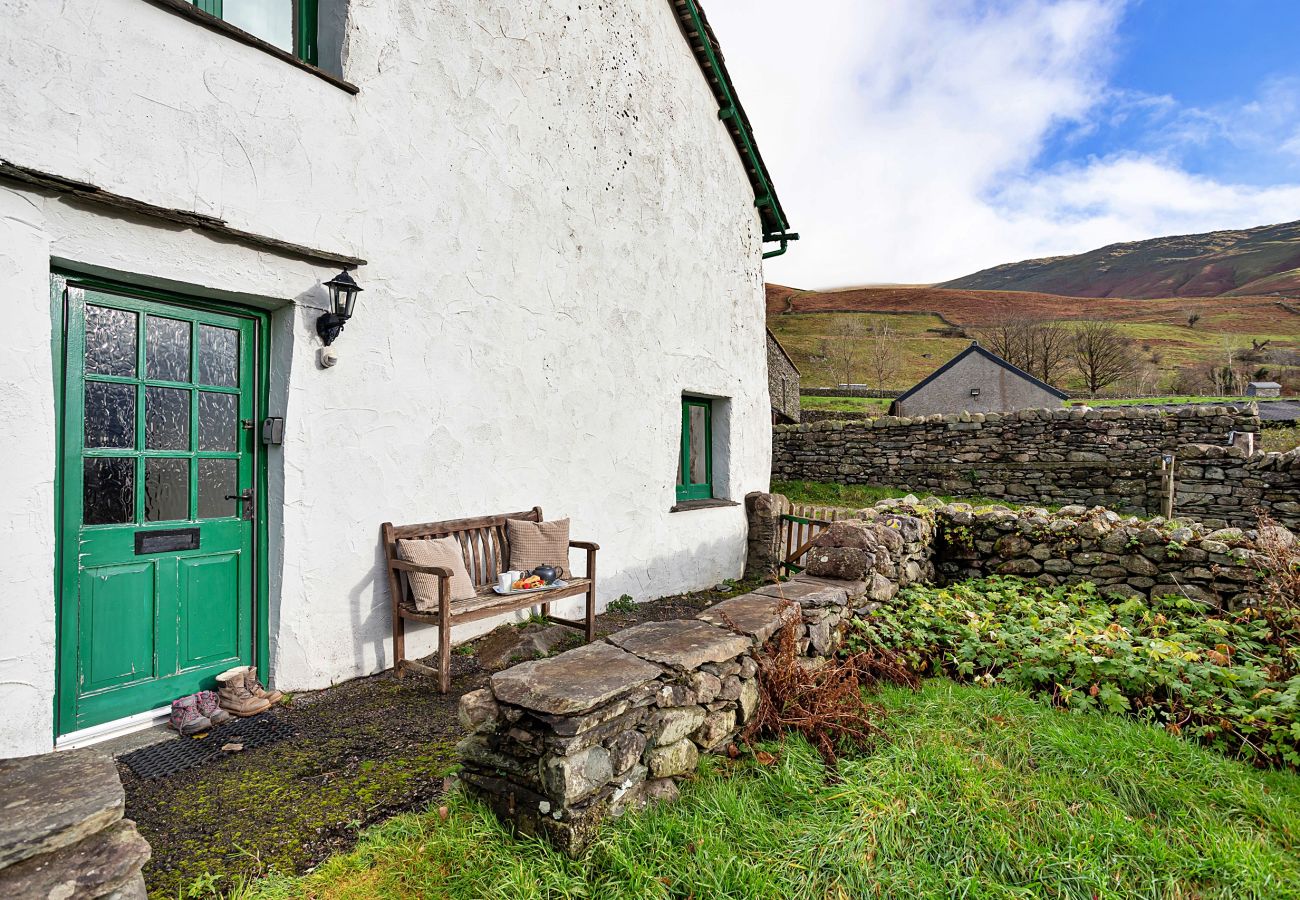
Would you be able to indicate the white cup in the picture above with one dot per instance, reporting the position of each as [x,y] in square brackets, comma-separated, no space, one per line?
[506,580]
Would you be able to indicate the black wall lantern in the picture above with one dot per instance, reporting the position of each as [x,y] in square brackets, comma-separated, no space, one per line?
[343,297]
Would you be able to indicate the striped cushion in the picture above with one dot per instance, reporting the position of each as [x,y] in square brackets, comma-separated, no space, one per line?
[441,552]
[534,544]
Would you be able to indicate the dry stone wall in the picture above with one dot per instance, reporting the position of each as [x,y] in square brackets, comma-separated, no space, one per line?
[1107,457]
[1223,485]
[557,745]
[1123,556]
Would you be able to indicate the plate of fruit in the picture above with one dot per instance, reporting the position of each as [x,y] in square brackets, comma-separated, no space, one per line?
[531,584]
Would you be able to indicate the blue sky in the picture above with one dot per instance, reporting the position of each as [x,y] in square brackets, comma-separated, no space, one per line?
[1179,64]
[914,141]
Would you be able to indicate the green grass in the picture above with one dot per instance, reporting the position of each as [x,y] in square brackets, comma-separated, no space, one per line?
[981,793]
[874,405]
[858,496]
[1147,401]
[1280,440]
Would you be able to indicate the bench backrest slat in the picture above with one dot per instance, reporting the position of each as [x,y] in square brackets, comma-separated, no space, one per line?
[484,542]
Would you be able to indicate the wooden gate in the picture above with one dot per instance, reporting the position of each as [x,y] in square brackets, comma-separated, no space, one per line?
[801,525]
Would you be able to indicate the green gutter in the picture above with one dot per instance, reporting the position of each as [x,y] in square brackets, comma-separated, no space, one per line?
[764,193]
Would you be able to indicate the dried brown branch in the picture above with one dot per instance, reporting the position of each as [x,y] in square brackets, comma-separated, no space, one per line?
[824,703]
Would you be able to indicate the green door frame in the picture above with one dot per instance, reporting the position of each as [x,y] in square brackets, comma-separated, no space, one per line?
[60,280]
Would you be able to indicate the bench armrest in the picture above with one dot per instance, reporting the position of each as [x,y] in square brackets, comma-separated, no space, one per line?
[401,565]
[584,545]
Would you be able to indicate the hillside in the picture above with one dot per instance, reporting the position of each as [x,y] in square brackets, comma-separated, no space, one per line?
[1253,261]
[934,323]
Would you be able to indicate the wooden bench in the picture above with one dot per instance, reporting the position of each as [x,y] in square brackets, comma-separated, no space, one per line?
[485,544]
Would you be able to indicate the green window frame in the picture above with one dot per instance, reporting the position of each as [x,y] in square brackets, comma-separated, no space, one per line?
[304,25]
[695,462]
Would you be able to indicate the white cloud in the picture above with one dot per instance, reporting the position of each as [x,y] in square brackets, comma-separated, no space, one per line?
[902,136]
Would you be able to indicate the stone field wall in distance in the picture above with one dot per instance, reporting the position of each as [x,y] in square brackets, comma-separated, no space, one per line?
[1093,457]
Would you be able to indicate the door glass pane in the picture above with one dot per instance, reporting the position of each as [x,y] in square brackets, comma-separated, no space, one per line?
[217,478]
[166,418]
[110,415]
[166,489]
[108,492]
[271,20]
[110,341]
[698,444]
[166,349]
[218,356]
[218,421]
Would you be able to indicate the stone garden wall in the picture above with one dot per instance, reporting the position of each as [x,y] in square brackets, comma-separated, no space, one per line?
[62,835]
[1127,557]
[557,745]
[1222,485]
[1108,457]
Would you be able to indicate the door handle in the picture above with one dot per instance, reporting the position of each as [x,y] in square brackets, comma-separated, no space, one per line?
[245,498]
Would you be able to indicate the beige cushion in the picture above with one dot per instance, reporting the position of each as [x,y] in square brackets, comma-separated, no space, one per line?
[534,544]
[443,552]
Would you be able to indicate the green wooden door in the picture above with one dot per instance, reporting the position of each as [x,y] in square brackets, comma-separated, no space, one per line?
[157,537]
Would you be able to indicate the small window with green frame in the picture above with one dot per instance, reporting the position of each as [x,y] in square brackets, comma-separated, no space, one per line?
[287,24]
[695,466]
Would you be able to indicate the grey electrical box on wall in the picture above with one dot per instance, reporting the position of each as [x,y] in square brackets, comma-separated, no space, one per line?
[273,430]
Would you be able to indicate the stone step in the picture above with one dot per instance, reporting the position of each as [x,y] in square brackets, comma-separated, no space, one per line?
[55,800]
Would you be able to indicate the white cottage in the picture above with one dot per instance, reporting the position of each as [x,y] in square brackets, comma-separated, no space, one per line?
[557,213]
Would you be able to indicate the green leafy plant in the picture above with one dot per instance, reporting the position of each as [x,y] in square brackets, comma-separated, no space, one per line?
[1229,679]
[623,604]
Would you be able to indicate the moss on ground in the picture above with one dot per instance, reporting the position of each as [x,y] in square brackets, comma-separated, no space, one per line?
[362,752]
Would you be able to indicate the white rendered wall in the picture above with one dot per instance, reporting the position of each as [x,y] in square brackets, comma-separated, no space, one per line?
[559,234]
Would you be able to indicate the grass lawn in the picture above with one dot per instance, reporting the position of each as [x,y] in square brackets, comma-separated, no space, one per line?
[874,405]
[859,496]
[1151,401]
[981,793]
[1280,440]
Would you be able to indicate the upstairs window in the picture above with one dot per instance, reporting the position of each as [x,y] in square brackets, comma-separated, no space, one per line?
[287,24]
[695,467]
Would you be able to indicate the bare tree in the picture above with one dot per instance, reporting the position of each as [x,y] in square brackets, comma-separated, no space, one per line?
[1192,317]
[1229,379]
[1007,336]
[1101,354]
[844,348]
[883,351]
[1040,348]
[1049,352]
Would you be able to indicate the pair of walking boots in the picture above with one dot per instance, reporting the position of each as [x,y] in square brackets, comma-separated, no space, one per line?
[239,693]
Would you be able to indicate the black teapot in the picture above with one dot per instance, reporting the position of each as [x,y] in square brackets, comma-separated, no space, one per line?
[546,573]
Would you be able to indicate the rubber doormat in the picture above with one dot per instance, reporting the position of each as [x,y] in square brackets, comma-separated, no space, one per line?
[181,753]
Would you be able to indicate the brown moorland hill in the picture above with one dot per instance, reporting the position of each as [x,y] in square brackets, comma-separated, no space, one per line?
[1246,262]
[977,309]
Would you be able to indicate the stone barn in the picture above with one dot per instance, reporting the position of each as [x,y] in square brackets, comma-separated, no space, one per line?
[1263,389]
[557,214]
[977,381]
[782,383]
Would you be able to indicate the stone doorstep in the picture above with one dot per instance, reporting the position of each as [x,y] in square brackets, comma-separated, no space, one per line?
[100,864]
[576,681]
[55,800]
[757,615]
[684,644]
